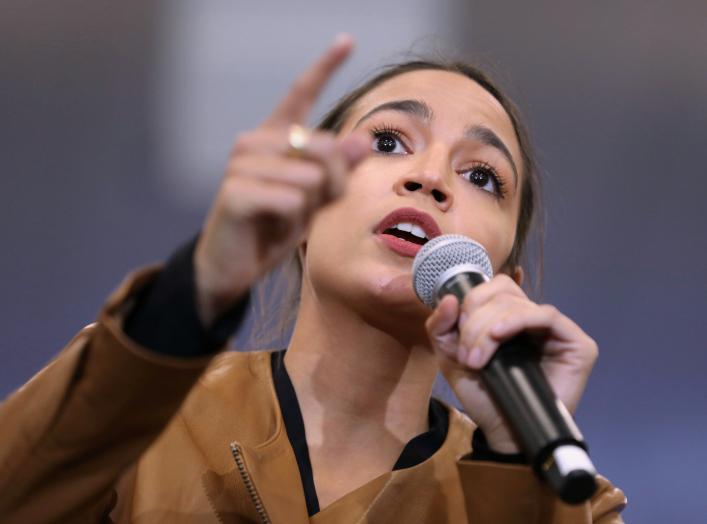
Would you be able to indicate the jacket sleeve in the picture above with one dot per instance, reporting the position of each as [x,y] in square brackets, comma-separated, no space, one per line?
[70,432]
[512,494]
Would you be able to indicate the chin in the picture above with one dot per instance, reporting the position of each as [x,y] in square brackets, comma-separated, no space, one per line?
[380,291]
[390,303]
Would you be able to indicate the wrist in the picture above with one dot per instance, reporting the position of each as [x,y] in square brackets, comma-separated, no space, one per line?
[214,296]
[481,451]
[501,440]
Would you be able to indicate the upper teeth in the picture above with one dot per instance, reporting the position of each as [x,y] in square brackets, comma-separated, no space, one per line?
[411,228]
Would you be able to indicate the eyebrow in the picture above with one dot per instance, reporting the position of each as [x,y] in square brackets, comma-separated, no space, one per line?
[415,108]
[486,136]
[421,110]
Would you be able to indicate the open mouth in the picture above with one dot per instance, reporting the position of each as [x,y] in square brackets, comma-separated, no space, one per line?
[409,232]
[406,230]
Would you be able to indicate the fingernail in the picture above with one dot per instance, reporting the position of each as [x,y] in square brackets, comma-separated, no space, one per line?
[463,354]
[475,358]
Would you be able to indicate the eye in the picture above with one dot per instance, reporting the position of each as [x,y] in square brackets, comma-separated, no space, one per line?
[388,141]
[485,177]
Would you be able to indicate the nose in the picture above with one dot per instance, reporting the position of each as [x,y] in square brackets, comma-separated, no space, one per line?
[429,176]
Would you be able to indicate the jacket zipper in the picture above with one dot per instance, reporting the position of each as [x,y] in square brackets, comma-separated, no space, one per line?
[240,462]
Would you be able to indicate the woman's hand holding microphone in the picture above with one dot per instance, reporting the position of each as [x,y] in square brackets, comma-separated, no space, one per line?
[278,176]
[466,336]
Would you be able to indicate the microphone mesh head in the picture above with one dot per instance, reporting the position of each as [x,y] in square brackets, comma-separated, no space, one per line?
[440,254]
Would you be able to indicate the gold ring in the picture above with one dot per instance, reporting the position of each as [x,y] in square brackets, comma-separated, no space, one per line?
[297,137]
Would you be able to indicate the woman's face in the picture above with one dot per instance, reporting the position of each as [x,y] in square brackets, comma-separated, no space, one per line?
[444,149]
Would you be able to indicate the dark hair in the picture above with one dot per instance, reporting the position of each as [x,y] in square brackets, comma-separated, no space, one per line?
[269,328]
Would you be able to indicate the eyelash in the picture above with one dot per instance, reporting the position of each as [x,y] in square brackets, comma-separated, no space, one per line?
[385,129]
[491,173]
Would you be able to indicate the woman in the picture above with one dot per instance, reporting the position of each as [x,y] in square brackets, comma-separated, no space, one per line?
[419,151]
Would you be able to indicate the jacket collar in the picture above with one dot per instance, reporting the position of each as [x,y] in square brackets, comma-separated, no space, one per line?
[241,384]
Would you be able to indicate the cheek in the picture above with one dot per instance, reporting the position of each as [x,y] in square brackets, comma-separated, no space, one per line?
[494,231]
[370,178]
[341,223]
[353,212]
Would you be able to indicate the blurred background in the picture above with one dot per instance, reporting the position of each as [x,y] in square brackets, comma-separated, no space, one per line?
[116,119]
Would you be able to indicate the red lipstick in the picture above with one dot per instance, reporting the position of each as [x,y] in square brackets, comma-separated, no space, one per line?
[400,241]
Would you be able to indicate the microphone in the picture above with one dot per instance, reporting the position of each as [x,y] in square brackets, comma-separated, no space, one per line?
[548,436]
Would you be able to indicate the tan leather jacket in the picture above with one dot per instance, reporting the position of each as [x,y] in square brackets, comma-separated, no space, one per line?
[111,432]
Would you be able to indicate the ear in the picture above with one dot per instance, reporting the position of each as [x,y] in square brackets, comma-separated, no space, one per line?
[517,275]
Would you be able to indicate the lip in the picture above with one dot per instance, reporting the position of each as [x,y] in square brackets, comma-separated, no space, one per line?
[414,216]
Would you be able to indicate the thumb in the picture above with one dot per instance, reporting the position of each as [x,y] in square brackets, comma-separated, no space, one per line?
[441,326]
[355,148]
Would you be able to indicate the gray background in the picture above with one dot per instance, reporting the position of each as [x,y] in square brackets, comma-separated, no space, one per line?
[115,120]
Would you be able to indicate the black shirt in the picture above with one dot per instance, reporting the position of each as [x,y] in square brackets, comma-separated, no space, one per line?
[416,450]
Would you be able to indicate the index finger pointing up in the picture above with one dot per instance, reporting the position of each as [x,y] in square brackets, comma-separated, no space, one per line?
[294,108]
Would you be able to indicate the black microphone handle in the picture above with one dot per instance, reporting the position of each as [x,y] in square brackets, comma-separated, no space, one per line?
[542,425]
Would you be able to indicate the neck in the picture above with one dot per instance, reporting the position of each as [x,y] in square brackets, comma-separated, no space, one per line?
[356,384]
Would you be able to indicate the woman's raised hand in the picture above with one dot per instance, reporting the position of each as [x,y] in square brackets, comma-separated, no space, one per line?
[495,312]
[277,177]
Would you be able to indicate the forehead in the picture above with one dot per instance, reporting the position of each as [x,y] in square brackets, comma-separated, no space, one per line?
[457,102]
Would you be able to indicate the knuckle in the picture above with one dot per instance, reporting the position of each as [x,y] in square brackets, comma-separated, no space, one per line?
[507,283]
[325,152]
[468,333]
[235,196]
[327,139]
[502,282]
[237,164]
[550,310]
[245,142]
[313,177]
[488,346]
[592,349]
[293,201]
[504,279]
[322,141]
[507,300]
[231,186]
[472,299]
[299,199]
